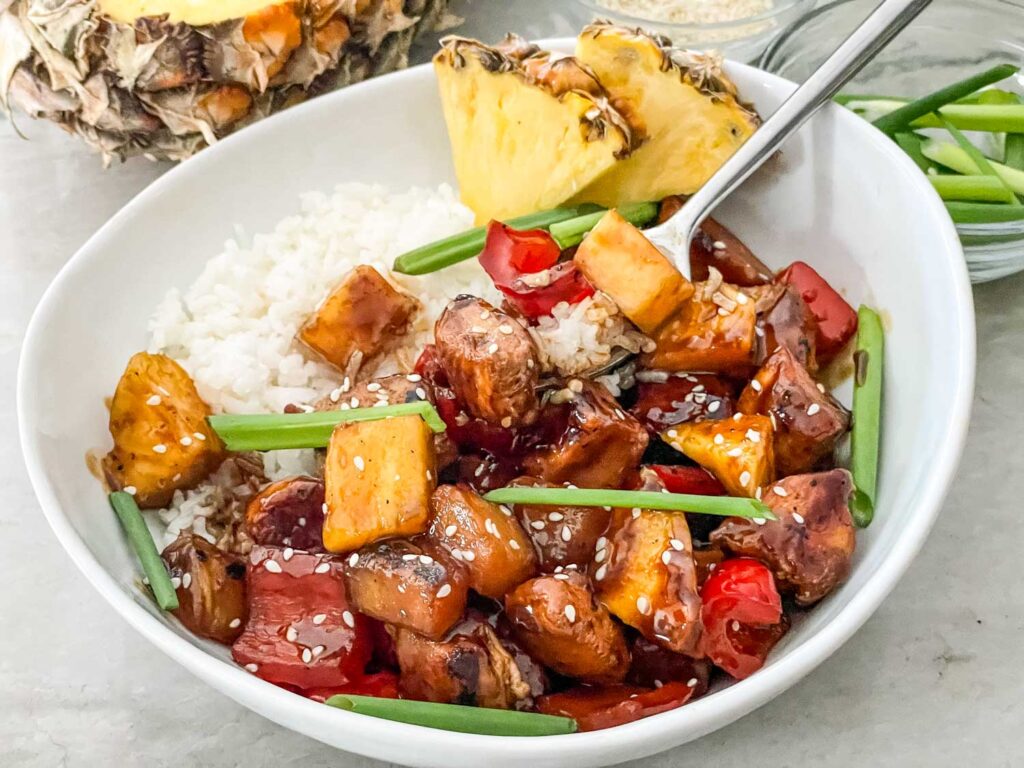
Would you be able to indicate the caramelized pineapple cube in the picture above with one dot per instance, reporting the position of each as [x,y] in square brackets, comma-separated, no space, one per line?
[364,317]
[162,441]
[645,575]
[378,478]
[738,451]
[619,260]
[705,336]
[409,584]
[490,542]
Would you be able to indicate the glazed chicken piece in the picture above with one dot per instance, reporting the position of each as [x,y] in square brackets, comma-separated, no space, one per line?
[486,538]
[162,441]
[490,360]
[738,451]
[559,622]
[645,575]
[471,667]
[683,397]
[810,546]
[210,585]
[411,584]
[808,420]
[361,319]
[599,446]
[288,513]
[563,536]
[653,666]
[785,320]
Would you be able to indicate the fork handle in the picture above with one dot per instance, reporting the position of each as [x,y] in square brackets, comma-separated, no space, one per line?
[884,23]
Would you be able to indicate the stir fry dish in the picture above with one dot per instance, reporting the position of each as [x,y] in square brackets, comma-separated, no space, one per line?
[601,488]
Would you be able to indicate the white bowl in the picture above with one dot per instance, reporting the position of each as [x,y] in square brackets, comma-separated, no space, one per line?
[841,197]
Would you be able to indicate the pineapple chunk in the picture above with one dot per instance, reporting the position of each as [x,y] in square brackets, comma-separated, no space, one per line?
[162,441]
[378,479]
[619,260]
[186,11]
[644,574]
[525,135]
[704,336]
[738,451]
[690,114]
[362,318]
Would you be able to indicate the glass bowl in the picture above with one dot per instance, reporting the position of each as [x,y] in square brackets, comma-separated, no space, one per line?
[950,40]
[742,39]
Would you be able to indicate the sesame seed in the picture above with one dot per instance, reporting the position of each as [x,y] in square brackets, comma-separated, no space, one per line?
[658,684]
[798,517]
[556,517]
[272,566]
[719,439]
[813,408]
[538,525]
[186,580]
[307,655]
[759,520]
[741,298]
[691,683]
[444,591]
[677,545]
[757,493]
[323,507]
[397,477]
[163,391]
[714,405]
[778,490]
[291,634]
[601,543]
[513,544]
[479,470]
[159,448]
[175,581]
[346,384]
[409,557]
[373,386]
[490,527]
[566,533]
[451,530]
[570,613]
[821,388]
[753,436]
[335,395]
[153,400]
[505,510]
[421,393]
[561,576]
[349,619]
[469,556]
[744,477]
[484,314]
[414,377]
[199,436]
[492,348]
[734,452]
[251,667]
[600,573]
[672,433]
[354,402]
[360,464]
[600,556]
[131,490]
[737,416]
[287,554]
[506,422]
[755,385]
[666,556]
[505,328]
[319,619]
[186,441]
[636,512]
[322,568]
[319,650]
[426,559]
[719,245]
[401,589]
[235,624]
[353,560]
[723,311]
[735,626]
[643,605]
[430,475]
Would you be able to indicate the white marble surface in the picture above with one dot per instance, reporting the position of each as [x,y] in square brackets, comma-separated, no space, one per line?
[935,678]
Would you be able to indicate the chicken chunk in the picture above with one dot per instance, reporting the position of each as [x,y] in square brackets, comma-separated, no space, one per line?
[471,668]
[599,447]
[411,584]
[738,451]
[486,538]
[810,547]
[288,513]
[683,397]
[360,320]
[653,665]
[560,623]
[786,322]
[211,588]
[808,420]
[563,536]
[490,360]
[378,478]
[645,575]
[162,441]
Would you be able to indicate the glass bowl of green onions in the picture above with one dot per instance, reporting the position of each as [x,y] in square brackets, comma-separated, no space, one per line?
[971,144]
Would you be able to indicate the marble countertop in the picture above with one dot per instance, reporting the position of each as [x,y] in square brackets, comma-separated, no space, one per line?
[934,678]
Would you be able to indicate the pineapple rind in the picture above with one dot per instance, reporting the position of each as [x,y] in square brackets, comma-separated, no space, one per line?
[688,108]
[165,90]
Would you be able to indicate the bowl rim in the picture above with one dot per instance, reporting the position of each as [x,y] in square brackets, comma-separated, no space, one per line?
[779,8]
[632,740]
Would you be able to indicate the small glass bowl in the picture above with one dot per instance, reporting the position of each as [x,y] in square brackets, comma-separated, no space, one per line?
[741,39]
[949,41]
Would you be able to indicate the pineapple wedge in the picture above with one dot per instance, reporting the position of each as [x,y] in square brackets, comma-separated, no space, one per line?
[738,451]
[527,132]
[687,108]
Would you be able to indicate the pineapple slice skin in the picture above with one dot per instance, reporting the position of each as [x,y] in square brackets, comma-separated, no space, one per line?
[525,136]
[690,114]
[131,81]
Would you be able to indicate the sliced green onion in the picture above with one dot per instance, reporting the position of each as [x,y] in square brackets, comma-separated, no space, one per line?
[281,431]
[723,506]
[988,117]
[978,159]
[456,717]
[952,156]
[571,232]
[984,213]
[466,245]
[978,188]
[899,119]
[142,542]
[869,359]
[911,144]
[1015,151]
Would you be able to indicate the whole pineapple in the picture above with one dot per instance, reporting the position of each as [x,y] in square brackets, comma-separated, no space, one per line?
[164,78]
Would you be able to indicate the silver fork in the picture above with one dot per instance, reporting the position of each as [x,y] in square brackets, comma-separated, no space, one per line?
[674,236]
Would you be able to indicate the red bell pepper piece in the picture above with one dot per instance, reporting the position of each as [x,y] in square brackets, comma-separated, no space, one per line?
[837,320]
[594,708]
[301,631]
[509,254]
[382,685]
[695,480]
[742,616]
